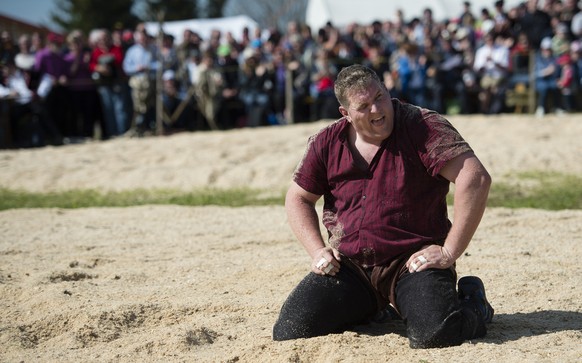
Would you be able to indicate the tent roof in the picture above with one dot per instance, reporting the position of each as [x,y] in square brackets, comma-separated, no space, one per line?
[343,12]
[204,27]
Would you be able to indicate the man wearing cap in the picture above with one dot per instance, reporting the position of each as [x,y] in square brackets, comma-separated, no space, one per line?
[546,73]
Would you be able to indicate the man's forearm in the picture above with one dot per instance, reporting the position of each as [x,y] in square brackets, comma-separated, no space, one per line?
[304,222]
[471,193]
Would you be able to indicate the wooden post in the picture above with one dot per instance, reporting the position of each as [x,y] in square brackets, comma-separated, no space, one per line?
[159,72]
[532,83]
[289,106]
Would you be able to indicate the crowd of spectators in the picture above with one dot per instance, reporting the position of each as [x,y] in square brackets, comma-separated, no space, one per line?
[59,89]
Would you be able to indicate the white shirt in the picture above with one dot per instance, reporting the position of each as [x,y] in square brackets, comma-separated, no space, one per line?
[576,26]
[492,60]
[16,84]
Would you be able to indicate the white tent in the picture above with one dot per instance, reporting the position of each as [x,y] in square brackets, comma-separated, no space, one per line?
[343,12]
[204,27]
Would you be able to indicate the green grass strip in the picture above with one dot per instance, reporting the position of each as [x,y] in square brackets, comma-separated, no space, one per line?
[541,190]
[10,199]
[550,191]
[538,190]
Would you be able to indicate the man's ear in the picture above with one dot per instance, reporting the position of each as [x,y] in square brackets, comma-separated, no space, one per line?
[344,112]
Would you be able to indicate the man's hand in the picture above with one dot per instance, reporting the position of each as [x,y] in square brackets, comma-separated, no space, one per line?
[326,261]
[433,256]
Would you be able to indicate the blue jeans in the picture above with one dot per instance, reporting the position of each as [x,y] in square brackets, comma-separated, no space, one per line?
[426,300]
[545,90]
[114,100]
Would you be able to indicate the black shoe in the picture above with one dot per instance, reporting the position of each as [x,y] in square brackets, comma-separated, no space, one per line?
[472,291]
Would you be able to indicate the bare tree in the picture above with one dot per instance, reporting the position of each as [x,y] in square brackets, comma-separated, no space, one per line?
[214,8]
[88,15]
[173,9]
[268,13]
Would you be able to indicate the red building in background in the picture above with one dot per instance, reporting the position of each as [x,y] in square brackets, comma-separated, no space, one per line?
[17,27]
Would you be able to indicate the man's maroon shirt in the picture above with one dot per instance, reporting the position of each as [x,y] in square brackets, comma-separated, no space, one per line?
[397,204]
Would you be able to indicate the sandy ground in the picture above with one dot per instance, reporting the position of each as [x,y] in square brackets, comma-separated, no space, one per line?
[173,284]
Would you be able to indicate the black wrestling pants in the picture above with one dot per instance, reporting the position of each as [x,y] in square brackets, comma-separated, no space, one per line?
[427,302]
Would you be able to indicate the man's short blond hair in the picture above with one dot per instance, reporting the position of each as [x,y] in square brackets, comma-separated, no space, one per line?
[353,78]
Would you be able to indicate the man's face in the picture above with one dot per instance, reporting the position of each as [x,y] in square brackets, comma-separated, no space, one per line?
[370,112]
